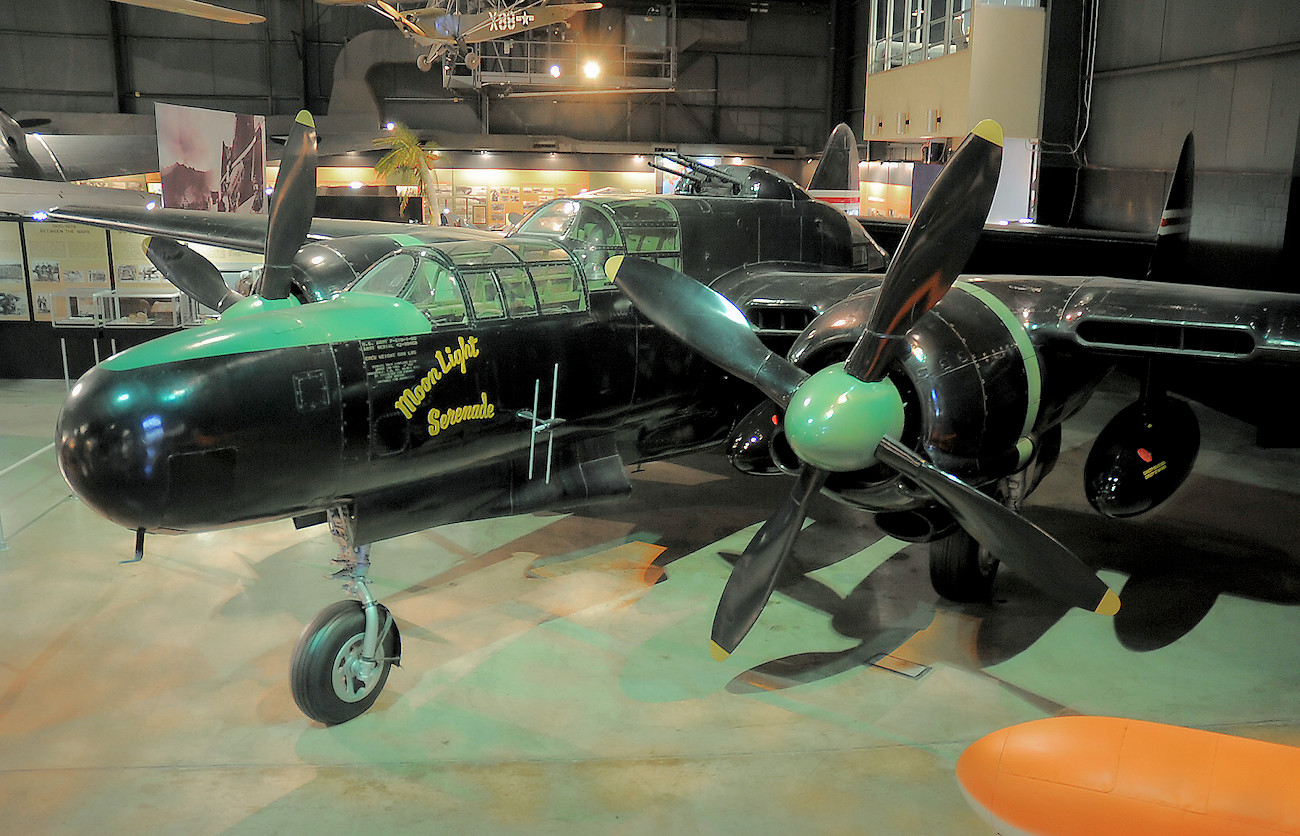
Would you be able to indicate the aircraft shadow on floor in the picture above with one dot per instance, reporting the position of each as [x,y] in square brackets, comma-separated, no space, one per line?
[1176,569]
[1177,562]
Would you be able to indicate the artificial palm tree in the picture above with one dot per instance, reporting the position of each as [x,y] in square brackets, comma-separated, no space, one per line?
[409,162]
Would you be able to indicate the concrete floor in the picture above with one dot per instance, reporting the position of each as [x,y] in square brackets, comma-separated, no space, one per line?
[549,686]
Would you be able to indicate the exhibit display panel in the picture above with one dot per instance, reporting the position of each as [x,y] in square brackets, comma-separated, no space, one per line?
[64,257]
[13,274]
[59,272]
[490,197]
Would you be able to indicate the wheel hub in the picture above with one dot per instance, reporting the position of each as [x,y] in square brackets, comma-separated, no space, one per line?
[352,675]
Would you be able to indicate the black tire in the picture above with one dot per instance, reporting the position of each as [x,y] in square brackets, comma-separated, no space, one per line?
[961,570]
[318,670]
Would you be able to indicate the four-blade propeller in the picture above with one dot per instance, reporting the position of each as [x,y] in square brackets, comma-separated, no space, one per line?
[293,203]
[848,416]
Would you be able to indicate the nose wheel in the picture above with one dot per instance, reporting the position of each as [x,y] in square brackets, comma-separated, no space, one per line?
[961,569]
[343,656]
[330,674]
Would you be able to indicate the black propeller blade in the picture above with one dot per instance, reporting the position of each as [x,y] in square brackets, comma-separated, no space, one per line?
[755,574]
[191,272]
[934,249]
[708,322]
[292,205]
[842,418]
[1015,540]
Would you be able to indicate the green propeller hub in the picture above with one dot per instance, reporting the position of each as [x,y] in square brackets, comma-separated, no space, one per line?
[836,421]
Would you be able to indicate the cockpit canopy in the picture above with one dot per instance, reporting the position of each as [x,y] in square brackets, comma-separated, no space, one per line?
[480,280]
[596,230]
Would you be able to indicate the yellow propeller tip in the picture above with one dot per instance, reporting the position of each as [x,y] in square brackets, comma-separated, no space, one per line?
[304,118]
[1109,603]
[144,244]
[715,650]
[612,265]
[989,130]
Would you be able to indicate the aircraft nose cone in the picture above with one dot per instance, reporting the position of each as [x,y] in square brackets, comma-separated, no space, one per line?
[111,448]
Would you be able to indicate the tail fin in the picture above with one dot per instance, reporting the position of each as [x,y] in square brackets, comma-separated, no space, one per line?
[838,167]
[835,180]
[1170,257]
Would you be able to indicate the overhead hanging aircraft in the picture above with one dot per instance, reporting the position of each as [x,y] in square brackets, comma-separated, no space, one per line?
[447,34]
[388,382]
[194,8]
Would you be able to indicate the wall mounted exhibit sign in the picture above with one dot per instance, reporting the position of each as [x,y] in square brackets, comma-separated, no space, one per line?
[211,160]
[64,261]
[13,276]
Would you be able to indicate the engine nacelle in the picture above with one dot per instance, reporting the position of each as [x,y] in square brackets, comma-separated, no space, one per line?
[1142,456]
[976,400]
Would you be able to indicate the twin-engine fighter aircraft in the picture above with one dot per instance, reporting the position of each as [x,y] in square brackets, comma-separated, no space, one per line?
[386,383]
[447,34]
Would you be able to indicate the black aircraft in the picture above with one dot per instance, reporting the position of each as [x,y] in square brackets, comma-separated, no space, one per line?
[387,382]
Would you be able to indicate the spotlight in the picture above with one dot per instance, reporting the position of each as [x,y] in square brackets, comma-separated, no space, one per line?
[555,71]
[591,69]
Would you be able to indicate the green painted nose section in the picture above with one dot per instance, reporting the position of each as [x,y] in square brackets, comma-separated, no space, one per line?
[836,421]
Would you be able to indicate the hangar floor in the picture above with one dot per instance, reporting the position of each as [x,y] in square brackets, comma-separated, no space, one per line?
[550,686]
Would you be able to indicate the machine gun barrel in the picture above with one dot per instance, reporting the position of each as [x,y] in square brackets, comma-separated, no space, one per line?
[707,170]
[688,174]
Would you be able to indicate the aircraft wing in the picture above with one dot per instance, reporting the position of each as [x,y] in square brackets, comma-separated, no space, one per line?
[246,233]
[87,157]
[24,197]
[405,20]
[1122,318]
[194,8]
[1149,319]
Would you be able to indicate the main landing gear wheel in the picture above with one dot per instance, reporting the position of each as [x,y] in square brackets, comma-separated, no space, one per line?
[424,62]
[961,569]
[331,681]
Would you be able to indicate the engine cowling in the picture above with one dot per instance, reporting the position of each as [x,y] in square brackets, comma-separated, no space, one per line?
[975,401]
[1141,457]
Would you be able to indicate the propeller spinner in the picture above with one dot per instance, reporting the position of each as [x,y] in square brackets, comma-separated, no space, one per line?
[848,416]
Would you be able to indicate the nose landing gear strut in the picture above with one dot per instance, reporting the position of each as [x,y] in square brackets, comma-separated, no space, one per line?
[343,656]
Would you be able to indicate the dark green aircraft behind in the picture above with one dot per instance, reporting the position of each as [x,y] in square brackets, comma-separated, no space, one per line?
[395,380]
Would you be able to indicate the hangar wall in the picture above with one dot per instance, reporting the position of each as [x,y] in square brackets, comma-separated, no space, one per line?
[126,57]
[756,73]
[1227,72]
